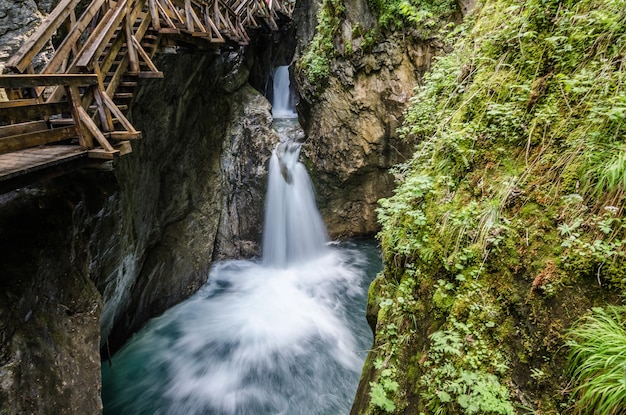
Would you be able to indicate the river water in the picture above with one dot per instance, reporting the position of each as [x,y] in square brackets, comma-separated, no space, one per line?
[284,334]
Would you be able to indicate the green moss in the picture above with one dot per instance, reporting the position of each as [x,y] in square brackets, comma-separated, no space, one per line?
[510,212]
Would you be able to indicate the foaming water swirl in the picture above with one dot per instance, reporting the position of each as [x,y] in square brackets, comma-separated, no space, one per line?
[275,336]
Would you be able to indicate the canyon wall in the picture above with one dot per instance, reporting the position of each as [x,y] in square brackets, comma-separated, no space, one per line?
[88,257]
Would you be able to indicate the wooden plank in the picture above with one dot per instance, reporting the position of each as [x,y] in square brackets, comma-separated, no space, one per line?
[18,103]
[123,135]
[154,12]
[188,18]
[150,75]
[32,112]
[130,47]
[169,21]
[33,80]
[117,77]
[118,114]
[210,23]
[105,115]
[124,147]
[101,35]
[100,153]
[20,61]
[70,41]
[144,55]
[197,21]
[73,97]
[174,10]
[91,126]
[37,138]
[19,163]
[22,128]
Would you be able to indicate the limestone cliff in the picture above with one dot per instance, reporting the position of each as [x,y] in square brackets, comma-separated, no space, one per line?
[351,116]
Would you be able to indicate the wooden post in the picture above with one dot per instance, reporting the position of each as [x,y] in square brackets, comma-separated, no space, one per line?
[132,53]
[154,12]
[105,115]
[73,96]
[188,19]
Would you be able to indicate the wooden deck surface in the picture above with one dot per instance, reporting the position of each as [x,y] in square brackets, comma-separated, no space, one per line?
[33,159]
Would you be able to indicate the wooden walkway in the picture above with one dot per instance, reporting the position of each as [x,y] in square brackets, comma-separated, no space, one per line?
[74,105]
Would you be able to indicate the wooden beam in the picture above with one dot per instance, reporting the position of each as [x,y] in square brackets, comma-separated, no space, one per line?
[118,114]
[73,97]
[22,128]
[123,135]
[154,12]
[106,121]
[130,47]
[24,57]
[100,153]
[188,18]
[32,112]
[173,9]
[102,33]
[70,41]
[91,126]
[144,55]
[163,12]
[36,138]
[33,80]
[14,103]
[197,21]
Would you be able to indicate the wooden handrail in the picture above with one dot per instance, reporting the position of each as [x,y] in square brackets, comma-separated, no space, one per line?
[104,31]
[33,80]
[23,58]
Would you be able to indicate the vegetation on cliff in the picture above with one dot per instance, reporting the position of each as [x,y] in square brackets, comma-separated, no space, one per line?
[416,19]
[507,224]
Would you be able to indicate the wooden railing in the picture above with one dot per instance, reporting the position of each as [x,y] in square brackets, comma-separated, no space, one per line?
[84,88]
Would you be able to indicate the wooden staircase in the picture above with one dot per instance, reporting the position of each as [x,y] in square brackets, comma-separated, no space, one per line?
[75,104]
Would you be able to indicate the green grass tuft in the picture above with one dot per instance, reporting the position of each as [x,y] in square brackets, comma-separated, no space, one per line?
[597,361]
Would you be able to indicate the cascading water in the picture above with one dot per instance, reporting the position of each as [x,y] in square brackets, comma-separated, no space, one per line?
[294,230]
[281,104]
[284,335]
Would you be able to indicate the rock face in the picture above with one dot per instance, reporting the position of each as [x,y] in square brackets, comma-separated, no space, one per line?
[88,257]
[49,307]
[193,189]
[352,124]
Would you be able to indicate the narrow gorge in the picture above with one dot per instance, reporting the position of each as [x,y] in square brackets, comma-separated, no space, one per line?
[480,142]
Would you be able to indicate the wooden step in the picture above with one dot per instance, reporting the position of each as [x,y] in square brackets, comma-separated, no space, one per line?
[121,107]
[128,84]
[123,135]
[55,122]
[123,95]
[149,74]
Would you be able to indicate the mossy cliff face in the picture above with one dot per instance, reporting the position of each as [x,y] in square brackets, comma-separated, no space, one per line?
[355,85]
[88,257]
[507,224]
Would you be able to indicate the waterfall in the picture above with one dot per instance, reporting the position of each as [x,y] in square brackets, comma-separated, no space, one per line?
[281,105]
[294,230]
[276,336]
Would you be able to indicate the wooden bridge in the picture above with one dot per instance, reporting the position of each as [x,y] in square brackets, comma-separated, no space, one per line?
[66,100]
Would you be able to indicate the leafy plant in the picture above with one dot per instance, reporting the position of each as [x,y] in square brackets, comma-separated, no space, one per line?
[597,361]
[456,380]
